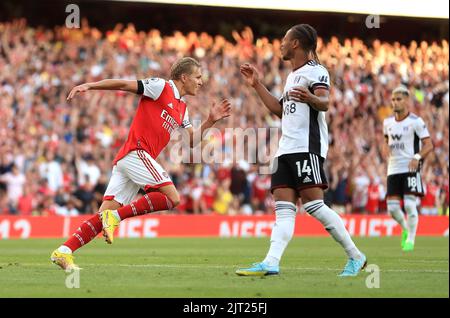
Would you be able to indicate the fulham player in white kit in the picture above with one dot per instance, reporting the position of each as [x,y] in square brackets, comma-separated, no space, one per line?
[161,110]
[409,143]
[298,165]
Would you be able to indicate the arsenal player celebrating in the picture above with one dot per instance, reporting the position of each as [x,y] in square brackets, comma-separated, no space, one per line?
[161,110]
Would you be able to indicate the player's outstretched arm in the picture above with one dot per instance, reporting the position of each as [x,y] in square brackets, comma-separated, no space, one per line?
[251,77]
[217,112]
[107,84]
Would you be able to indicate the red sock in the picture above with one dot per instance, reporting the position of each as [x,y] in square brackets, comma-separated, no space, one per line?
[150,202]
[85,233]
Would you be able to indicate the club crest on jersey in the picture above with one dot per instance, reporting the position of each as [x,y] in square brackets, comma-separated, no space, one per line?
[301,80]
[405,128]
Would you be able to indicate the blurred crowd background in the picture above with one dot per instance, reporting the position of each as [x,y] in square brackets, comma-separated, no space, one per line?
[56,157]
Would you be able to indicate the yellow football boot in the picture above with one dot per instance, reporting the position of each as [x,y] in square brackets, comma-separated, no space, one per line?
[109,223]
[63,260]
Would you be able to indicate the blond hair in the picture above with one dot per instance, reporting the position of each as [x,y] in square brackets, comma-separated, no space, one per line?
[182,66]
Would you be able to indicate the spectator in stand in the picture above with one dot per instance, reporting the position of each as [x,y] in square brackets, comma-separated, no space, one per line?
[15,181]
[239,184]
[430,201]
[359,191]
[26,204]
[209,193]
[88,171]
[44,136]
[443,200]
[223,199]
[4,208]
[196,195]
[375,194]
[50,169]
[69,209]
[339,189]
[260,191]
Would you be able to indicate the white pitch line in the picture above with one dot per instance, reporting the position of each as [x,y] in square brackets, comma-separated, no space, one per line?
[199,266]
[317,269]
[425,261]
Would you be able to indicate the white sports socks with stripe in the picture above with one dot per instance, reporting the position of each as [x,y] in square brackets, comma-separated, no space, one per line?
[396,212]
[334,225]
[410,224]
[282,231]
[413,216]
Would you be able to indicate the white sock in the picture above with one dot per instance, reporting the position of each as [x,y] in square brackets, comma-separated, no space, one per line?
[396,212]
[413,216]
[334,225]
[64,249]
[282,231]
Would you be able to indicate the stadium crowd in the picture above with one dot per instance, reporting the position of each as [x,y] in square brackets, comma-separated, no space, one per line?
[56,157]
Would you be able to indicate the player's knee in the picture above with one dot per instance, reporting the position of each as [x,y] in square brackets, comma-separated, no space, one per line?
[410,205]
[393,211]
[109,204]
[285,194]
[393,206]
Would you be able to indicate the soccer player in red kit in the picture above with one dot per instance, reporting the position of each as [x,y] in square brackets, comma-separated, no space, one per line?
[161,110]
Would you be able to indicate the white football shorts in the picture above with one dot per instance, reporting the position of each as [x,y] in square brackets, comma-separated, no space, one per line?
[137,170]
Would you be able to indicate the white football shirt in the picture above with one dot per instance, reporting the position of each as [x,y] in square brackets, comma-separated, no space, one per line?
[304,129]
[404,140]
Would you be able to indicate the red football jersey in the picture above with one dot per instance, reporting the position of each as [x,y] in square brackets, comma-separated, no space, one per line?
[160,112]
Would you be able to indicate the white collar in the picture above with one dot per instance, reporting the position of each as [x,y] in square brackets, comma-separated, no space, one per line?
[175,90]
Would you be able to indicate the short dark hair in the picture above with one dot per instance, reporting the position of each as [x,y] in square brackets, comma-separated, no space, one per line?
[184,65]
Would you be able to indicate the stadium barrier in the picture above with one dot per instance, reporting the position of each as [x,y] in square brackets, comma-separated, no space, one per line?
[17,227]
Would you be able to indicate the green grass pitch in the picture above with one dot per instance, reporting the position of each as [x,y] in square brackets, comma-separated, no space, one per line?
[204,267]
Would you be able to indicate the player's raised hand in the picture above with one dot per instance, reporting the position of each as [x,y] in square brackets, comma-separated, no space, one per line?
[78,89]
[250,74]
[220,111]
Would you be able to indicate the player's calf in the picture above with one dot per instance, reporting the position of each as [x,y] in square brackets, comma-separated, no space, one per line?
[150,202]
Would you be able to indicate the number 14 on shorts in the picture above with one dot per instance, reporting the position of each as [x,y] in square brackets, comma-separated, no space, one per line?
[303,167]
